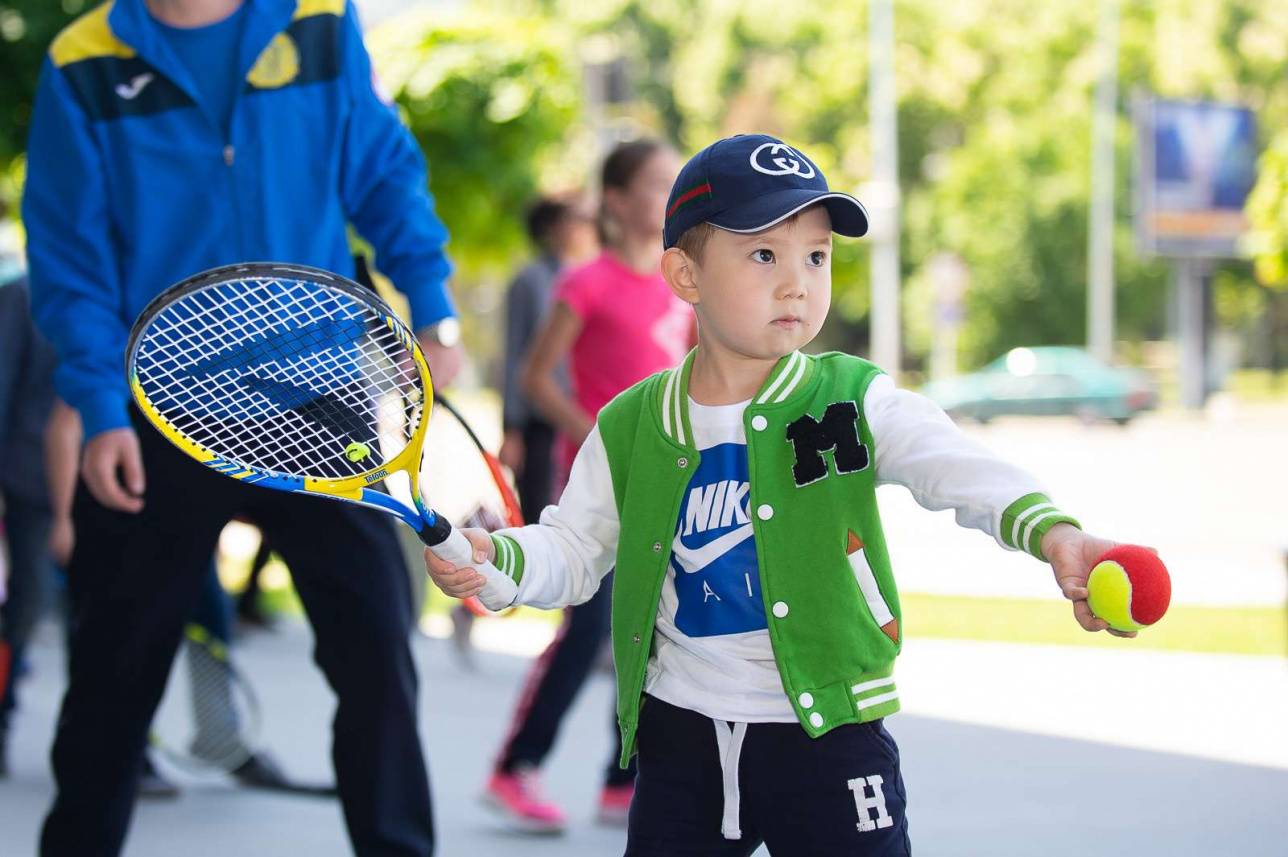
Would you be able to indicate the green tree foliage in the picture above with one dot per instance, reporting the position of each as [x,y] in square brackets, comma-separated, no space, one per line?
[1268,213]
[26,29]
[493,100]
[995,130]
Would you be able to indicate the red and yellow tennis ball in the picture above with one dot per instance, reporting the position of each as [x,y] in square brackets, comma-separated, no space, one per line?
[1129,588]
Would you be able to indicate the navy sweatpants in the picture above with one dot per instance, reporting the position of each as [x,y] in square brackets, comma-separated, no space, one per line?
[839,794]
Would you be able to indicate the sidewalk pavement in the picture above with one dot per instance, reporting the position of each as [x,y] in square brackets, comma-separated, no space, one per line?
[1008,751]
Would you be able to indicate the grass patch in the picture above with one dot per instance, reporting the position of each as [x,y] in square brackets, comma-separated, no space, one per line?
[1220,630]
[1258,385]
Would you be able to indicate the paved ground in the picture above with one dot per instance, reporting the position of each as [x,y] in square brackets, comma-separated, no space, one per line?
[975,789]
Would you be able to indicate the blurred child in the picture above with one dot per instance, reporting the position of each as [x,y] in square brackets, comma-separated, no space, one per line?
[615,321]
[755,615]
[563,233]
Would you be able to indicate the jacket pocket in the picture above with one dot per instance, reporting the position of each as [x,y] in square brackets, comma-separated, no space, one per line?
[879,608]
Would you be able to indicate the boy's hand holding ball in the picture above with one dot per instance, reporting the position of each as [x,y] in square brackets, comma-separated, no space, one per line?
[1115,588]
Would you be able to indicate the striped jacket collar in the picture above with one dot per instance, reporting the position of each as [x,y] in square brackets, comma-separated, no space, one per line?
[789,377]
[132,29]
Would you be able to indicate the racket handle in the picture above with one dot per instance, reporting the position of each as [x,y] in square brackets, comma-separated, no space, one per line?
[499,592]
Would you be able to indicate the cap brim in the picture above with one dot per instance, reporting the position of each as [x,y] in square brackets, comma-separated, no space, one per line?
[849,217]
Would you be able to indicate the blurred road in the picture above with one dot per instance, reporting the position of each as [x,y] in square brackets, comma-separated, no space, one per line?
[975,789]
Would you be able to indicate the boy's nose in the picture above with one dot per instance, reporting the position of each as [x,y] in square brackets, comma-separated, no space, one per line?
[792,286]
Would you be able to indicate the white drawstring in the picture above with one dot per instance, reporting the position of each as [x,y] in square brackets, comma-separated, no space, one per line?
[729,738]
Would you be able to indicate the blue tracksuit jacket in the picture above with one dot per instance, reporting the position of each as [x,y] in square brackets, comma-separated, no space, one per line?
[132,187]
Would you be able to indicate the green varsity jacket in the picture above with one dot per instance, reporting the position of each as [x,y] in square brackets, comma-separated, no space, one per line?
[814,462]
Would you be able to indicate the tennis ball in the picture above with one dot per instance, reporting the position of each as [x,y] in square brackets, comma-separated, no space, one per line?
[1129,588]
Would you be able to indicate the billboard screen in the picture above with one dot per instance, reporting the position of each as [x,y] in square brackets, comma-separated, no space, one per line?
[1196,163]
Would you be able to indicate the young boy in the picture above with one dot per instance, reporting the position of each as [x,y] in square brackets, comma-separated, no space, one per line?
[755,617]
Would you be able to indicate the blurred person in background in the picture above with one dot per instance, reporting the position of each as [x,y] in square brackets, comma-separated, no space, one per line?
[166,139]
[616,322]
[563,233]
[26,395]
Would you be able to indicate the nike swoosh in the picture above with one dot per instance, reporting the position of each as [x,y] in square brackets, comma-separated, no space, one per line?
[130,91]
[693,560]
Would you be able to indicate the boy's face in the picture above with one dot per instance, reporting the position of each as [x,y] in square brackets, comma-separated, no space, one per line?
[765,294]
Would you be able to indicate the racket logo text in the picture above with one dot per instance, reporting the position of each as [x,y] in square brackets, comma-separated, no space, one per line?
[377,476]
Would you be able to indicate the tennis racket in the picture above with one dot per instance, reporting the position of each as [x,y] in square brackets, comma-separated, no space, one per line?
[299,380]
[209,718]
[513,515]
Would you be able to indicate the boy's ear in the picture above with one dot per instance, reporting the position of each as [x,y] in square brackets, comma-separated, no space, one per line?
[679,271]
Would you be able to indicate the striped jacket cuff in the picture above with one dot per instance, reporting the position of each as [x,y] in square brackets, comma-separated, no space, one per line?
[509,557]
[1027,520]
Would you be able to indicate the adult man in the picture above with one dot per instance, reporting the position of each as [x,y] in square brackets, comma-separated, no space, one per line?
[170,136]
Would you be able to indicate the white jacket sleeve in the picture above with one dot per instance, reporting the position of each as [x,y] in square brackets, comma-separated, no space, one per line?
[918,446]
[561,560]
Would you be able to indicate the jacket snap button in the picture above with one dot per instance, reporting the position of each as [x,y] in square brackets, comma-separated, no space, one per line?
[765,512]
[635,639]
[816,720]
[682,462]
[759,423]
[657,547]
[807,700]
[780,609]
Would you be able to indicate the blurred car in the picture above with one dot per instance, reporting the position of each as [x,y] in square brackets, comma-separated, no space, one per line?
[1046,380]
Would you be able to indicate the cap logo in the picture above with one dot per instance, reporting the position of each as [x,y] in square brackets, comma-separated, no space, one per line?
[780,160]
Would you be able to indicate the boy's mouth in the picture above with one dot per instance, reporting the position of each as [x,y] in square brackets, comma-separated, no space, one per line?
[787,322]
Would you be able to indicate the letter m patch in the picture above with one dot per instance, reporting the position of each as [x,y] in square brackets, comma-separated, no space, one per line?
[837,433]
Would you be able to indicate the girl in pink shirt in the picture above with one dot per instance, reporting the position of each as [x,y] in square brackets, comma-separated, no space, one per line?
[614,318]
[617,322]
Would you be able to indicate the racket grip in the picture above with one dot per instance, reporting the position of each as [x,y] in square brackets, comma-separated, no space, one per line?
[499,592]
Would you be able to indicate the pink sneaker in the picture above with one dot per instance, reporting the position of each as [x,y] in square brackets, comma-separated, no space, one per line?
[615,804]
[517,797]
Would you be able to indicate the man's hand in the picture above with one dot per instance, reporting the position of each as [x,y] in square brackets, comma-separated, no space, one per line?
[461,582]
[444,361]
[62,538]
[512,451]
[113,469]
[1072,553]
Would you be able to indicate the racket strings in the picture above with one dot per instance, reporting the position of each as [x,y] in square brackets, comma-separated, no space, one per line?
[224,720]
[282,375]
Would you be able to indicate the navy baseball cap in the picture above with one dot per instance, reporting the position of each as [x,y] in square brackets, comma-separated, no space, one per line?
[751,182]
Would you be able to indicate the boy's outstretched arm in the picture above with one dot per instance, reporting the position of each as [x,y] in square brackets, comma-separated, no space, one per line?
[1072,554]
[919,447]
[559,561]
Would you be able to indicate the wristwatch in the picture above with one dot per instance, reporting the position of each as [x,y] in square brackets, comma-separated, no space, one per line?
[446,332]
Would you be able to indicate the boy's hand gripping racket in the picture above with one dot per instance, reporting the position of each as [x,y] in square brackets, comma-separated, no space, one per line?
[293,378]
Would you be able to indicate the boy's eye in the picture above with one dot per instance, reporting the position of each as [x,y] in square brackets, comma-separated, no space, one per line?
[763,255]
[817,258]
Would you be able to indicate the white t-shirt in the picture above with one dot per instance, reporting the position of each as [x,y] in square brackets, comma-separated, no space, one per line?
[712,652]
